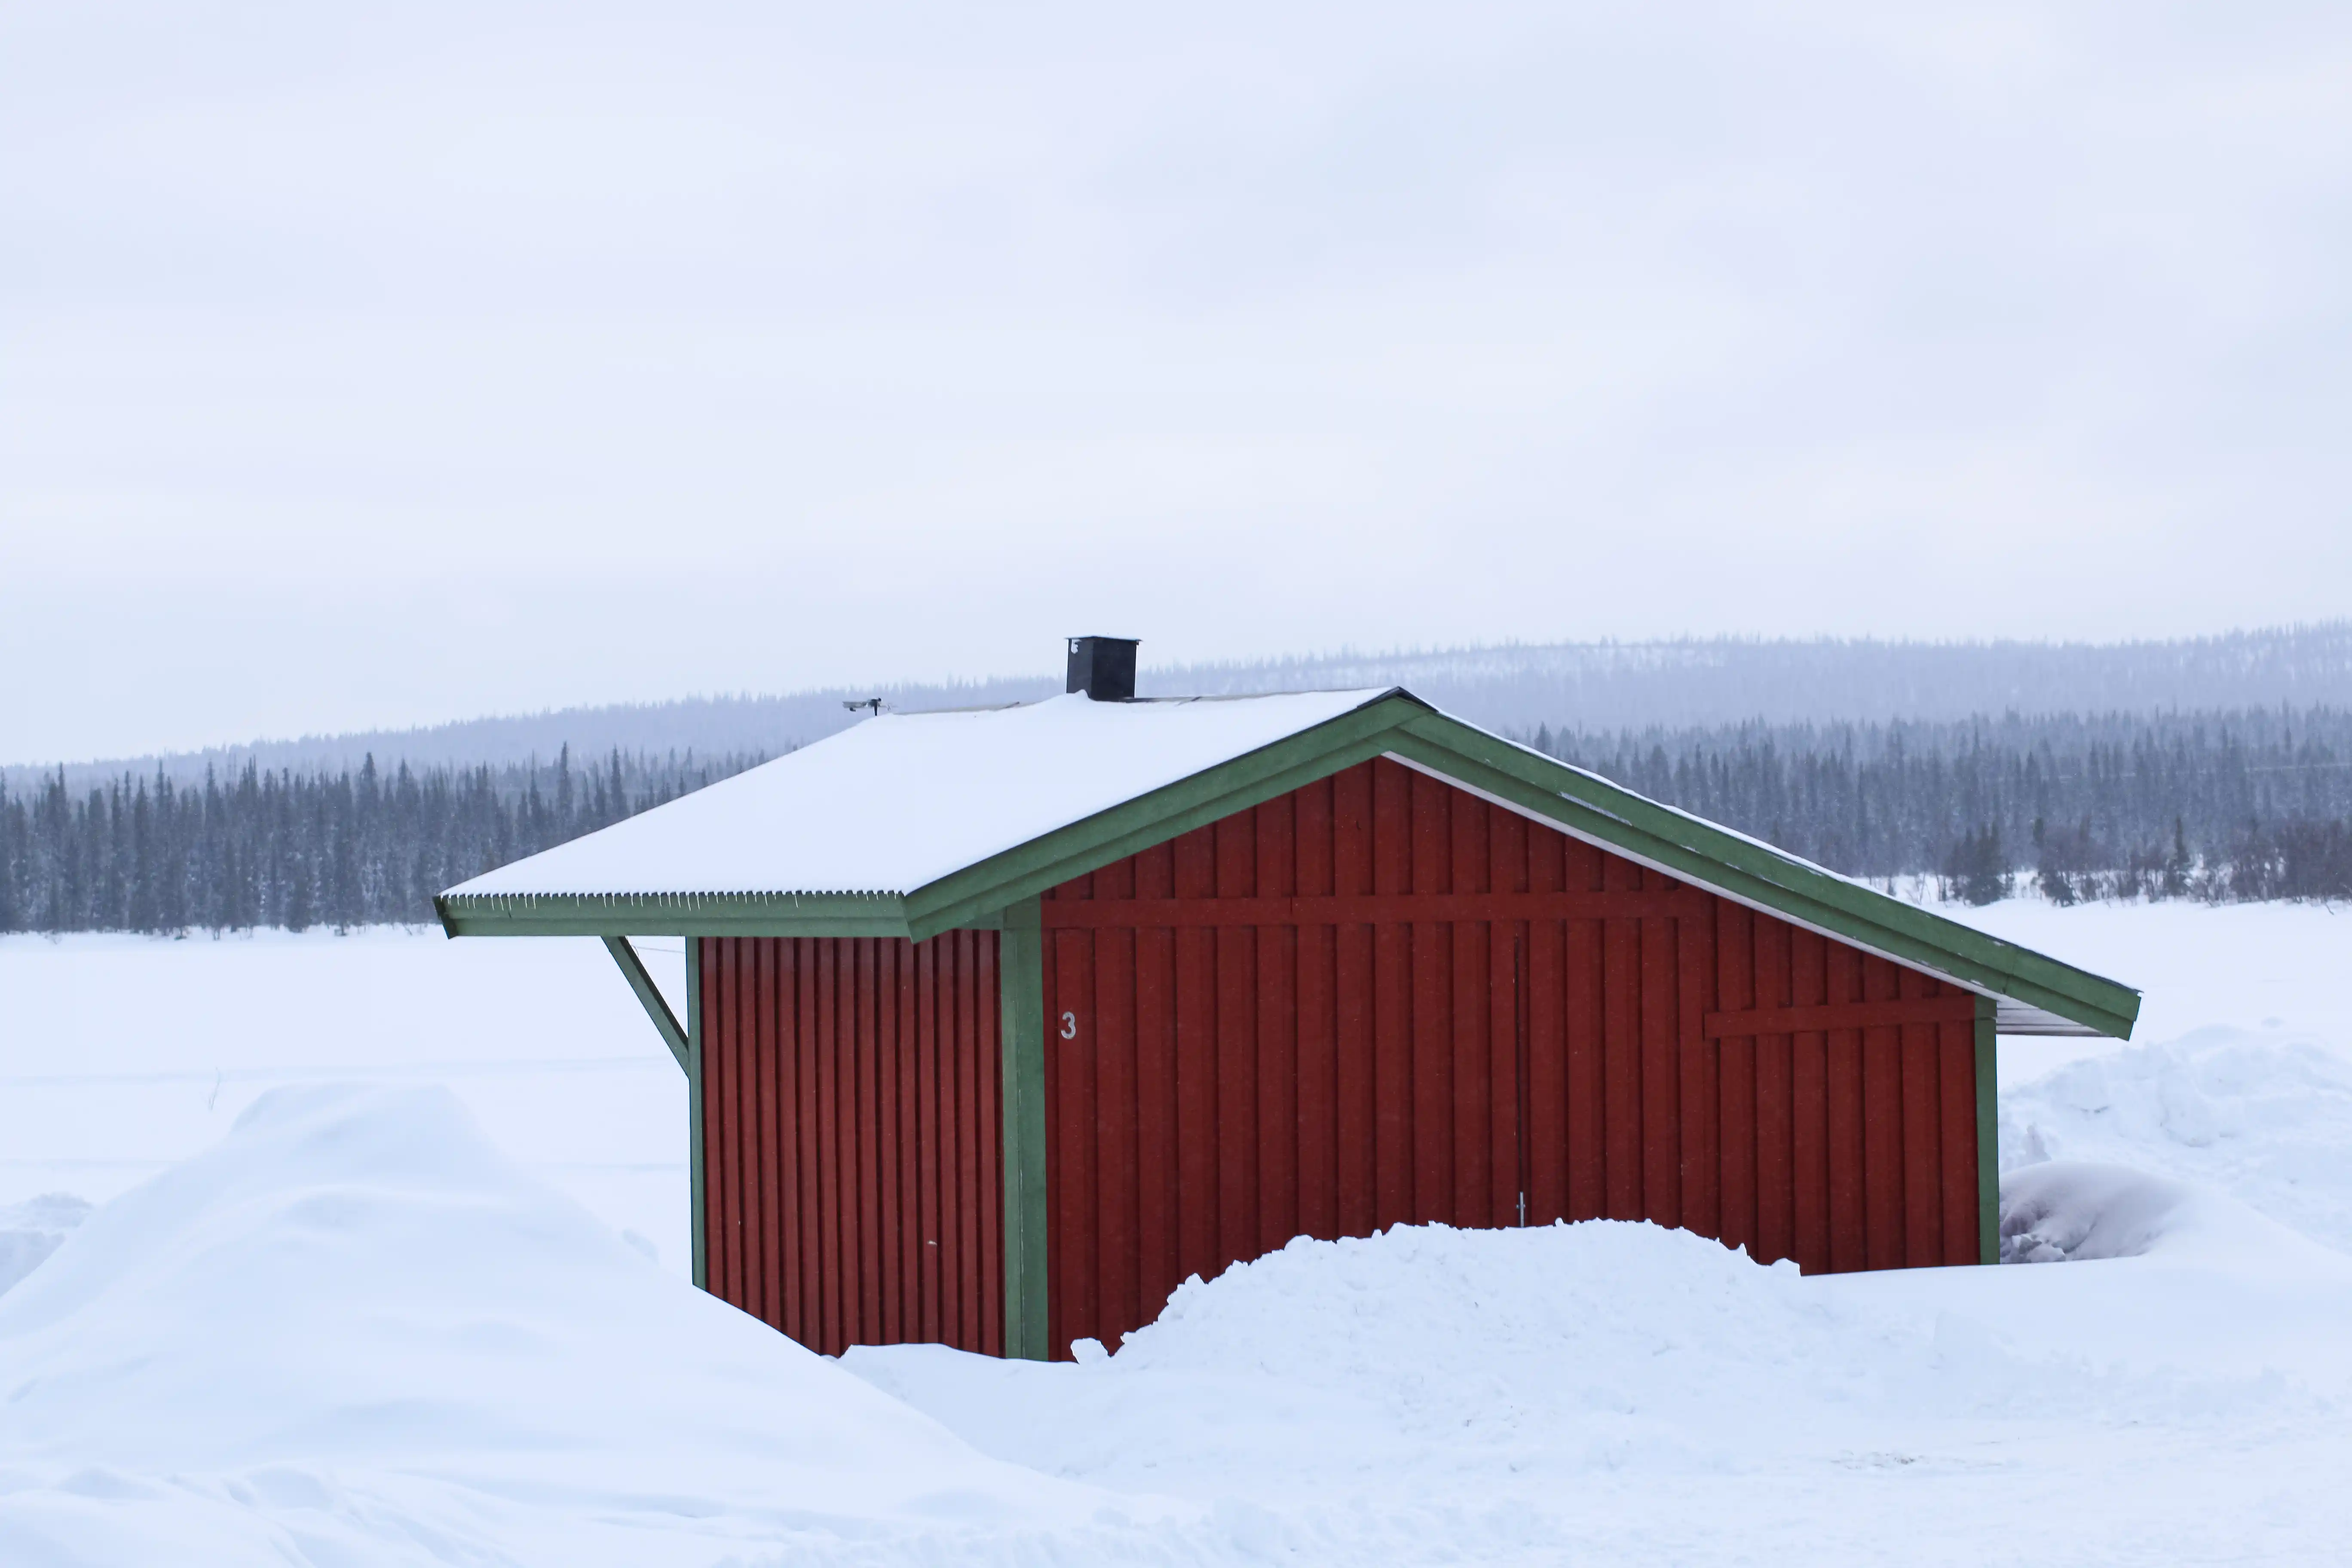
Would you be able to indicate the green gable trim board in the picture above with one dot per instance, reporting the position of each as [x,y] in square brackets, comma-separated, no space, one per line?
[1205,797]
[1755,873]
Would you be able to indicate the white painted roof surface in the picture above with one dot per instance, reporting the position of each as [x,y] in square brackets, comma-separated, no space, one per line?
[900,800]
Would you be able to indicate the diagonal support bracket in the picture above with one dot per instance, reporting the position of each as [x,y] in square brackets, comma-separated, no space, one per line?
[633,970]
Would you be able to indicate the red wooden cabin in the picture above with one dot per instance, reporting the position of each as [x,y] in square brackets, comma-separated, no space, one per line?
[1001,1024]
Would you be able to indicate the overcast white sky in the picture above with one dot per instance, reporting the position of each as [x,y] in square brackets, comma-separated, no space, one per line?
[384,369]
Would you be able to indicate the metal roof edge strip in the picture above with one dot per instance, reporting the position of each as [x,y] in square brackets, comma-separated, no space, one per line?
[672,914]
[1756,873]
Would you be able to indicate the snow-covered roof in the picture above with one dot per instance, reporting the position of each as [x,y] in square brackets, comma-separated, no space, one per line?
[895,804]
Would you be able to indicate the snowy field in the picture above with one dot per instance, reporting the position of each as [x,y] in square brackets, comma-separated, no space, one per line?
[367,1280]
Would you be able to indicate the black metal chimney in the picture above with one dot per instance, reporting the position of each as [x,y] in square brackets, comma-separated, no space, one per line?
[1103,668]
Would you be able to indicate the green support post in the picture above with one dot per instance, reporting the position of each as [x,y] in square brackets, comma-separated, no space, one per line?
[1987,1137]
[1021,981]
[694,1108]
[649,996]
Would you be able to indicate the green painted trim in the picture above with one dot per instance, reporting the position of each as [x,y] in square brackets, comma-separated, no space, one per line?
[694,1199]
[1021,984]
[1987,1134]
[1399,723]
[1002,880]
[1741,866]
[649,996]
[672,914]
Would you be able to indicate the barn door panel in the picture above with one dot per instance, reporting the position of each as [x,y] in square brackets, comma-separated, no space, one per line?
[1304,1020]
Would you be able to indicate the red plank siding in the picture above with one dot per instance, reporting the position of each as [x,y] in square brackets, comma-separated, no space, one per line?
[850,1104]
[1381,999]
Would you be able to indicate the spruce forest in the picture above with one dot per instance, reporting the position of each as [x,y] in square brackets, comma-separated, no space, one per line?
[2221,807]
[297,849]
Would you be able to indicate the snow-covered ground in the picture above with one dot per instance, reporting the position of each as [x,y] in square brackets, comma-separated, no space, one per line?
[314,1322]
[119,1055]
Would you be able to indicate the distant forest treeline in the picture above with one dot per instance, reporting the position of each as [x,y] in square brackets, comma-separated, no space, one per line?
[1597,685]
[2224,806]
[298,849]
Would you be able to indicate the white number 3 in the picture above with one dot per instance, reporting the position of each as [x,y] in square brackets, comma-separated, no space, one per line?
[1069,1026]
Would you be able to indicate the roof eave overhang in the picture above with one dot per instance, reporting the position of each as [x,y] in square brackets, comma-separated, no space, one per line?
[672,914]
[2036,993]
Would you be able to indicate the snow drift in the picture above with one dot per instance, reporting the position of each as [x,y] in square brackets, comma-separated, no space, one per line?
[31,1230]
[2264,1116]
[354,1332]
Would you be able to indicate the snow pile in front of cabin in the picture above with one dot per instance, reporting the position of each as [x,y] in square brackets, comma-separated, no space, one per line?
[1437,1395]
[354,1332]
[1433,1396]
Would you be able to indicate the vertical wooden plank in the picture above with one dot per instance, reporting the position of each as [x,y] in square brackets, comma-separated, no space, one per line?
[1585,1006]
[783,1020]
[953,1154]
[1734,971]
[1662,1163]
[1469,1050]
[1432,1015]
[1809,1101]
[1956,1139]
[869,1045]
[1549,1153]
[751,1077]
[1508,1168]
[843,1064]
[972,1067]
[996,1066]
[910,1220]
[1776,1193]
[1237,1004]
[1055,946]
[1071,1040]
[1356,1130]
[1881,1125]
[770,1046]
[930,1139]
[1277,956]
[1157,1119]
[1621,1050]
[1392,1064]
[1121,1266]
[1701,1097]
[731,1121]
[827,1096]
[1842,1053]
[1922,1170]
[1196,1067]
[1317,1038]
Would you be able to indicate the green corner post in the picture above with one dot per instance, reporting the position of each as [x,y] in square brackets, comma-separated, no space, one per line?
[1988,1139]
[1021,980]
[694,1106]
